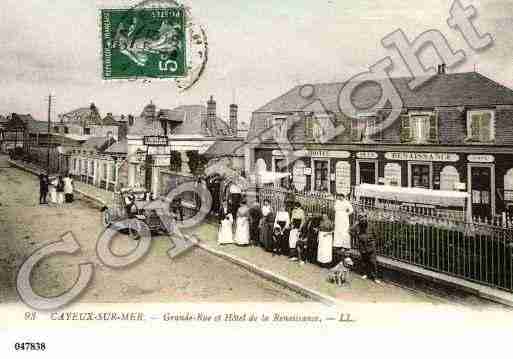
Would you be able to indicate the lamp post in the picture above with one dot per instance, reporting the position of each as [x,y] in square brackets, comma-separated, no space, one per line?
[48,136]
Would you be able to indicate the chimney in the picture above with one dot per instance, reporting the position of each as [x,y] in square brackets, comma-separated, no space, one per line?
[211,116]
[233,119]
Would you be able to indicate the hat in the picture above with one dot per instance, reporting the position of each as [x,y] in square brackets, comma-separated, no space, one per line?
[362,217]
[348,261]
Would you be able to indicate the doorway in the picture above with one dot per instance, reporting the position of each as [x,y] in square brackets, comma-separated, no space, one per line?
[482,190]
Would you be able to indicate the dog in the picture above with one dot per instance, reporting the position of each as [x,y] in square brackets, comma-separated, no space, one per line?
[340,273]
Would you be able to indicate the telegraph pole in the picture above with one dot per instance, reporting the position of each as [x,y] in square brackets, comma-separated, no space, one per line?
[48,136]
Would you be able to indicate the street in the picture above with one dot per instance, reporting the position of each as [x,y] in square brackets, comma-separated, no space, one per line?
[196,276]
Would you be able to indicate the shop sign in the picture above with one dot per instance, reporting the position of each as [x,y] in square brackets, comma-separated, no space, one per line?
[481,158]
[161,161]
[315,153]
[367,155]
[343,177]
[422,156]
[155,141]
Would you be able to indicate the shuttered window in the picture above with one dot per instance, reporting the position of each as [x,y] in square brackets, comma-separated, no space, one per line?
[419,128]
[480,126]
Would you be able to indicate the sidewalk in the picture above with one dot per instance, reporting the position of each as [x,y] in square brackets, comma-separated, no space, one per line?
[310,278]
[95,195]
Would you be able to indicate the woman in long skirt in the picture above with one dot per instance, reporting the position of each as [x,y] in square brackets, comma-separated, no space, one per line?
[68,188]
[242,226]
[343,209]
[282,222]
[325,249]
[225,234]
[267,225]
[52,189]
[60,190]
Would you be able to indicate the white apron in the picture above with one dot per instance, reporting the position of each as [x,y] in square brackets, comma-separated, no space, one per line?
[68,187]
[293,237]
[242,231]
[225,235]
[325,249]
[342,238]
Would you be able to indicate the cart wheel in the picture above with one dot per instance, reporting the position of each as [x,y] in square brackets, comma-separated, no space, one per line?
[106,218]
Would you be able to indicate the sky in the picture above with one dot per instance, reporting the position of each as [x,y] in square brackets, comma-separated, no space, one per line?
[257,50]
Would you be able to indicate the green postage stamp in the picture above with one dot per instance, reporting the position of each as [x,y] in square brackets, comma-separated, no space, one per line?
[143,43]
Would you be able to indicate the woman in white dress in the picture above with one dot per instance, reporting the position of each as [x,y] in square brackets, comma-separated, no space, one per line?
[68,188]
[225,234]
[242,226]
[342,237]
[325,248]
[52,189]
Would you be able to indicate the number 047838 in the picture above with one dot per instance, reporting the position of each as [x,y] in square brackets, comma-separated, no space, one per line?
[30,346]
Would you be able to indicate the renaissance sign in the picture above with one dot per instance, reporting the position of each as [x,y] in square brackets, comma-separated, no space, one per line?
[422,156]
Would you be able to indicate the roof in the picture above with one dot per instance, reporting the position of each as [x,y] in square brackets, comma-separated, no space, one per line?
[118,147]
[189,118]
[457,89]
[226,148]
[34,126]
[98,143]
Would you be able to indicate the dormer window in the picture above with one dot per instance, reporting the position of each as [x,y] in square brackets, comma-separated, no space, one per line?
[419,127]
[480,126]
[363,128]
[280,128]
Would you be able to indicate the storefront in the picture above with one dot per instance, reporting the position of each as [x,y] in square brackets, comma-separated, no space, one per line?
[487,178]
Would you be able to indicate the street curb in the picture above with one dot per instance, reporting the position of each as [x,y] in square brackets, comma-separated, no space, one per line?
[478,290]
[271,276]
[83,195]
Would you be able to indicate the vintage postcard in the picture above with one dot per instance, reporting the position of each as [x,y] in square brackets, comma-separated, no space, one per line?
[326,177]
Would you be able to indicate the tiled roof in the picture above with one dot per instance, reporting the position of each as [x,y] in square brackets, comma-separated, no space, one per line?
[458,89]
[118,147]
[98,143]
[188,116]
[225,147]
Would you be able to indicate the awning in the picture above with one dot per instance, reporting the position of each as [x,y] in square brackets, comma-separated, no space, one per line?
[413,195]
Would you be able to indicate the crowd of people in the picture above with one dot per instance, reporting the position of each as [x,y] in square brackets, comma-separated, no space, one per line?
[55,189]
[288,231]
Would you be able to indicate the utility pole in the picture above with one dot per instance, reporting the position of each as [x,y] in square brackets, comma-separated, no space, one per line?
[48,136]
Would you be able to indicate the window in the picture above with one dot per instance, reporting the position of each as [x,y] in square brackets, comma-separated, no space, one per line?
[480,126]
[75,165]
[92,168]
[105,171]
[319,127]
[321,176]
[87,131]
[66,129]
[419,128]
[420,175]
[280,128]
[79,166]
[113,172]
[85,166]
[367,172]
[280,166]
[363,128]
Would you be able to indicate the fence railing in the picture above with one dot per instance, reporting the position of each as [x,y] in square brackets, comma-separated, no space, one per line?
[481,251]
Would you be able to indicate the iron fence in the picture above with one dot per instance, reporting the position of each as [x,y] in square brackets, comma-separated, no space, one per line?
[438,240]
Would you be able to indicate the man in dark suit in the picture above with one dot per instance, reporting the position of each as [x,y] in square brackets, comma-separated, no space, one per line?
[43,188]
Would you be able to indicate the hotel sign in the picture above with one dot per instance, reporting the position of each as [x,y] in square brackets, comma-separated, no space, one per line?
[422,156]
[315,153]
